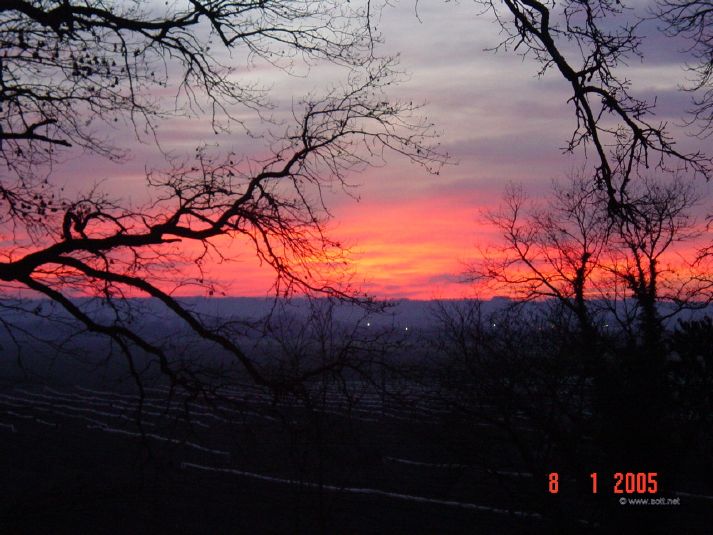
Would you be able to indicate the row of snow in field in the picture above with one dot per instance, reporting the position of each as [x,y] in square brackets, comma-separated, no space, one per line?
[102,414]
[105,411]
[363,491]
[353,401]
[232,405]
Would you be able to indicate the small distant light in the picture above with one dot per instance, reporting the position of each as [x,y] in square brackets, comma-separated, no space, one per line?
[407,328]
[493,325]
[368,324]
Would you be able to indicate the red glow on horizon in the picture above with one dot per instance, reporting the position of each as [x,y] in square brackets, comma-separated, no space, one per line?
[415,249]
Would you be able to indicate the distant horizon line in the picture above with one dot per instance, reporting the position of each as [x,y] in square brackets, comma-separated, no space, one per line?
[693,302]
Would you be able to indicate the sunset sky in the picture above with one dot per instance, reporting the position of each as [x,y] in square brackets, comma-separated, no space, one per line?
[410,233]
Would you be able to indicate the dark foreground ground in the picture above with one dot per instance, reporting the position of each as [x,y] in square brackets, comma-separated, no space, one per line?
[73,460]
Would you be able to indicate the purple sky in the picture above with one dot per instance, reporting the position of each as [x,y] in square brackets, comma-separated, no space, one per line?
[411,231]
